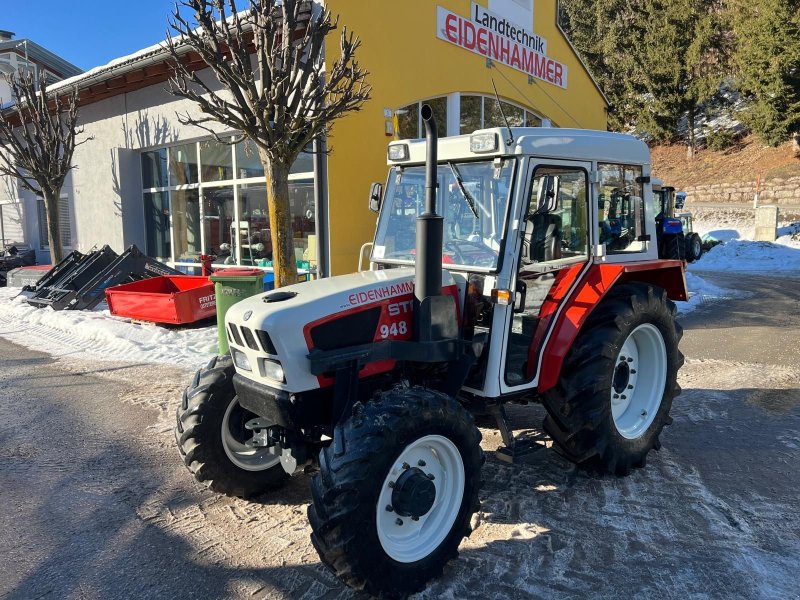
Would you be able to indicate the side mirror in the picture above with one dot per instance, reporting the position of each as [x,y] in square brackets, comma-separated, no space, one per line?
[547,195]
[680,200]
[375,194]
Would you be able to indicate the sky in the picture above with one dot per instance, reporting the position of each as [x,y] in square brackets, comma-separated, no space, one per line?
[88,33]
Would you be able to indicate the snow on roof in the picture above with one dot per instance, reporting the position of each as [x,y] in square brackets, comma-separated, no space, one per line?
[117,64]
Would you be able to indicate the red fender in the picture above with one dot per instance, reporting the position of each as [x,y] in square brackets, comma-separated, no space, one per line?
[668,274]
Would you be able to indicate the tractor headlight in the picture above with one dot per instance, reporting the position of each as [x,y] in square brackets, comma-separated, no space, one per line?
[240,360]
[273,370]
[483,142]
[398,152]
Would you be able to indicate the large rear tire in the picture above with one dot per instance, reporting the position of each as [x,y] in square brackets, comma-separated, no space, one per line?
[211,435]
[674,247]
[396,491]
[618,381]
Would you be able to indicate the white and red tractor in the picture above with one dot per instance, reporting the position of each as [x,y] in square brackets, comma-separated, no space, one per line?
[501,271]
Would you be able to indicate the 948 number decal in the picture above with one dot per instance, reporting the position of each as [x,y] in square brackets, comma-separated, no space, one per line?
[394,329]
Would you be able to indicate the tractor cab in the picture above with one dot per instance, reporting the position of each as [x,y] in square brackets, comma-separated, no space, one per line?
[525,220]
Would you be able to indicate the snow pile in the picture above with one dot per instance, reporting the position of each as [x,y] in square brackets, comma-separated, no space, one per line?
[746,256]
[97,335]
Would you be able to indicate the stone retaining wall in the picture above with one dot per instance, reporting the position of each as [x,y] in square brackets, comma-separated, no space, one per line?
[773,191]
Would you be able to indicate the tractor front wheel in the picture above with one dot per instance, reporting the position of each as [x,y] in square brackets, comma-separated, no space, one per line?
[694,248]
[396,491]
[617,382]
[212,436]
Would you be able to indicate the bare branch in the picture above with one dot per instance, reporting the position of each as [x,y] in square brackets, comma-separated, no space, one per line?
[275,87]
[37,141]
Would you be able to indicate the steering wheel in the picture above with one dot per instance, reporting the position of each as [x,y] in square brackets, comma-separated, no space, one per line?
[466,254]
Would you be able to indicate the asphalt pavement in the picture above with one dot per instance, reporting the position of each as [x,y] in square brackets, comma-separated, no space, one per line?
[95,503]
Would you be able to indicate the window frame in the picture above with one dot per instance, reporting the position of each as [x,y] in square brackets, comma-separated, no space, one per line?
[640,227]
[200,186]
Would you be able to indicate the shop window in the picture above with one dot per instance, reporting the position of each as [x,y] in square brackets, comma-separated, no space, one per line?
[186,226]
[196,215]
[621,208]
[183,164]
[531,120]
[254,234]
[64,222]
[493,118]
[248,163]
[480,112]
[218,224]
[408,121]
[156,218]
[216,160]
[154,169]
[471,113]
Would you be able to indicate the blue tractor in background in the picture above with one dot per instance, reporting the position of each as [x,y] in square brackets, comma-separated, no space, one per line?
[675,235]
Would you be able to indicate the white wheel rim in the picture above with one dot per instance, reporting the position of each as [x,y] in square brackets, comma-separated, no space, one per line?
[696,246]
[245,457]
[638,381]
[413,540]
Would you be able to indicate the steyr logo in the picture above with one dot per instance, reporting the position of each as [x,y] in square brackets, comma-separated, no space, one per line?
[247,315]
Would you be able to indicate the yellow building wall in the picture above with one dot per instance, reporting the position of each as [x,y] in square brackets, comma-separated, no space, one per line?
[407,62]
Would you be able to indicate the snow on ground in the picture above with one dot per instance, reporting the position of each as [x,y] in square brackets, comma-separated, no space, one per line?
[96,335]
[739,252]
[703,292]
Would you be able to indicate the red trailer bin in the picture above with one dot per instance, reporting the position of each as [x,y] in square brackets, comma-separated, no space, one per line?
[169,299]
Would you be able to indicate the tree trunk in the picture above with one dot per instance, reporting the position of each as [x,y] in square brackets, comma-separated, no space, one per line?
[280,221]
[51,208]
[690,141]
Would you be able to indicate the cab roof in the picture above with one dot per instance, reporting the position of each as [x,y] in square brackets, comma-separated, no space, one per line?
[546,142]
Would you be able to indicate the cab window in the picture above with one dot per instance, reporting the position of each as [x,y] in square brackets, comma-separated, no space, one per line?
[620,208]
[556,224]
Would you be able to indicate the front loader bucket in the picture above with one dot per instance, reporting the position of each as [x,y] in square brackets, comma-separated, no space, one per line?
[62,291]
[130,266]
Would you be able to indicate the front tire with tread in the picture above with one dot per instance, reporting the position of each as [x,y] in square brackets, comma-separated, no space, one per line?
[198,433]
[352,472]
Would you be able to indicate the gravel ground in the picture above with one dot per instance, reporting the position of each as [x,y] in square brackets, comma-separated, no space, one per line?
[94,502]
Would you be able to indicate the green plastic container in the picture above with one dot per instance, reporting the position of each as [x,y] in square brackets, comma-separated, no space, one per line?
[231,286]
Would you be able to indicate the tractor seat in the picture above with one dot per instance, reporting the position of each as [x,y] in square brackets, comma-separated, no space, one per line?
[542,238]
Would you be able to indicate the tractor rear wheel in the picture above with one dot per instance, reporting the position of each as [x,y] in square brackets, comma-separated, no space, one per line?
[694,248]
[212,436]
[618,381]
[674,247]
[396,491]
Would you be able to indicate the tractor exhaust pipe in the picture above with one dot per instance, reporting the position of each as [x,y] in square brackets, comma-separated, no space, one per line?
[430,225]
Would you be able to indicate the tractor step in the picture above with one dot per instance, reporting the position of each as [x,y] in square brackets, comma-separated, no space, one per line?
[515,449]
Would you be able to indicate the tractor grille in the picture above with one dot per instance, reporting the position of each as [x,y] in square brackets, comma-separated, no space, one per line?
[237,339]
[266,342]
[249,339]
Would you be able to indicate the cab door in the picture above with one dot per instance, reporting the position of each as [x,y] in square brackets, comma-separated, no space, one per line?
[553,251]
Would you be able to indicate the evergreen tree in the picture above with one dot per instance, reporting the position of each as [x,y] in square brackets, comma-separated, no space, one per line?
[680,64]
[767,61]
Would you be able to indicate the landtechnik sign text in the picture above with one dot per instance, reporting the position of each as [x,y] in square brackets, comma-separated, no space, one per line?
[500,40]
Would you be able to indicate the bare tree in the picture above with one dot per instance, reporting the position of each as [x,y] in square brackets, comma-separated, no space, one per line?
[276,90]
[37,141]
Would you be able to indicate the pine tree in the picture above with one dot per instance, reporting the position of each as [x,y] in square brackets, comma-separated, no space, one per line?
[767,60]
[680,65]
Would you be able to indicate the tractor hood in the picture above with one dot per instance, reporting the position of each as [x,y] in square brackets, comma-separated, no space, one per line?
[281,326]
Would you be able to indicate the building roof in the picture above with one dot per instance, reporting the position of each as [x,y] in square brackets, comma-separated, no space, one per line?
[41,56]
